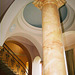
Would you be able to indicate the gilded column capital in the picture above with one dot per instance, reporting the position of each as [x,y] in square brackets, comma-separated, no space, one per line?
[40,3]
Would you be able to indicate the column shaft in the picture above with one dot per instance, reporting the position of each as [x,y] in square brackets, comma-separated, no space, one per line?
[53,53]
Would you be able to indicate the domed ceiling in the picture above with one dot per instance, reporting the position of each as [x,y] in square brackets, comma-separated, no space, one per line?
[33,16]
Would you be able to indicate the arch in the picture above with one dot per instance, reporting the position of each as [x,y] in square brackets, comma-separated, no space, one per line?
[23,47]
[25,51]
[37,66]
[27,41]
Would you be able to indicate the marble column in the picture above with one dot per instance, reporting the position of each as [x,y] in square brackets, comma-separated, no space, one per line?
[53,49]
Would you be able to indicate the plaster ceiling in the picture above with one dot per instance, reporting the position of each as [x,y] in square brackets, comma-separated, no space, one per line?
[4,5]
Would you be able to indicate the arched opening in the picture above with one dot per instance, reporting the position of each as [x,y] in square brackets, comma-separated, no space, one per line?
[25,51]
[37,66]
[22,53]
